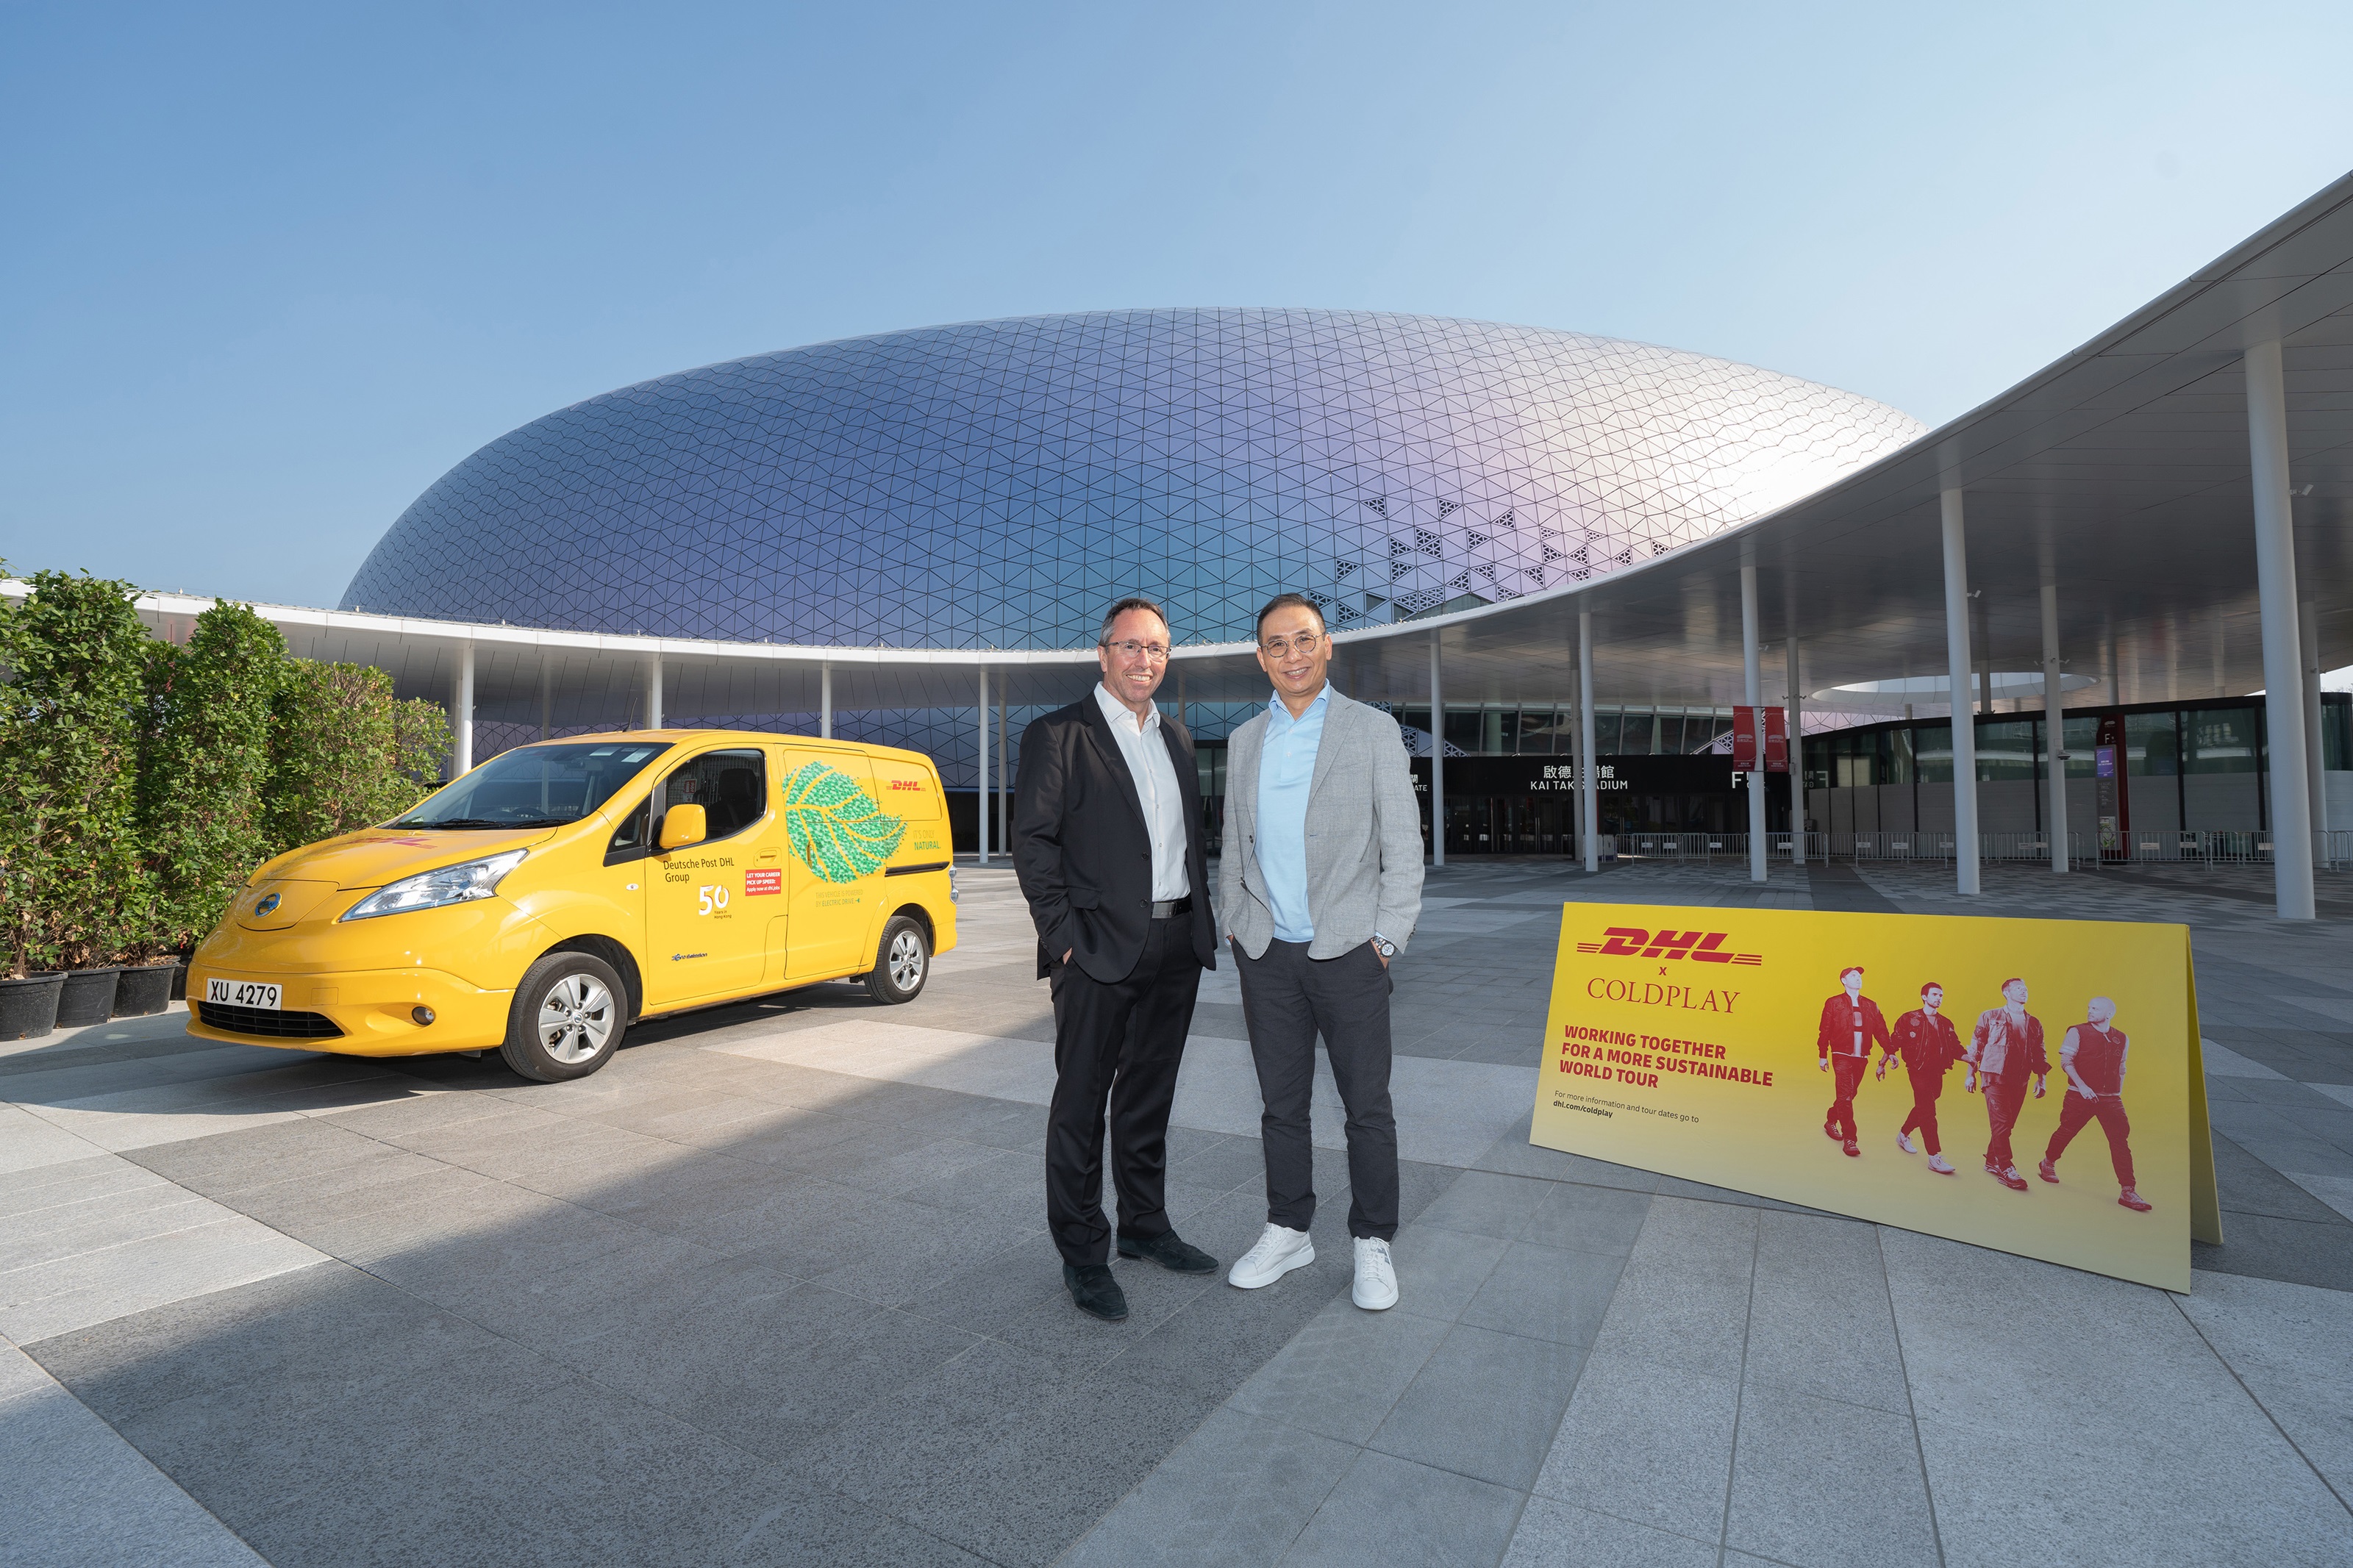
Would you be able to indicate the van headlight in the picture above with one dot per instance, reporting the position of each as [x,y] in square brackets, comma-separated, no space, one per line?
[458,884]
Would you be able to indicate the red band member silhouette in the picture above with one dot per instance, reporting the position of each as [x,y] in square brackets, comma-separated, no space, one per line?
[1850,1024]
[2005,1050]
[1929,1047]
[2093,1058]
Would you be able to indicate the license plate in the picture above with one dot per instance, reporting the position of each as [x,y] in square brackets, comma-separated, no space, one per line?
[242,993]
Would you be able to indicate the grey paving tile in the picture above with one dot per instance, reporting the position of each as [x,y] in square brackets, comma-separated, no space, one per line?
[1544,1293]
[1484,1405]
[2246,1185]
[1820,1318]
[1001,1453]
[1343,1371]
[1648,1443]
[1439,1271]
[1682,1299]
[2226,1497]
[69,1181]
[1588,1219]
[75,1494]
[1822,1482]
[1235,1494]
[226,1163]
[2286,1342]
[1403,1515]
[1217,1341]
[308,1336]
[1017,1294]
[2302,1252]
[1557,1535]
[1516,1156]
[1488,1204]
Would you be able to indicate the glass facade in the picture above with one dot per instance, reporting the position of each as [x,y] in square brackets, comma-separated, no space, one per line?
[995,484]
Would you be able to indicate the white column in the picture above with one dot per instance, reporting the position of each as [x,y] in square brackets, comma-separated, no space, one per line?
[461,715]
[1796,757]
[825,700]
[1589,821]
[1961,679]
[980,775]
[1004,789]
[2054,729]
[2282,648]
[653,692]
[2316,782]
[1754,684]
[546,695]
[1437,761]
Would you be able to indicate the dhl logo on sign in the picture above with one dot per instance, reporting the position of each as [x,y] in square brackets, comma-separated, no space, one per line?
[1700,947]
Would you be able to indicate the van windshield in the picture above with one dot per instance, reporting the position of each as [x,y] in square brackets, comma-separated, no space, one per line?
[536,786]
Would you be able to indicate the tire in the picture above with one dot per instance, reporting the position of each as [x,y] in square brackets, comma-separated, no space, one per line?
[902,964]
[567,1019]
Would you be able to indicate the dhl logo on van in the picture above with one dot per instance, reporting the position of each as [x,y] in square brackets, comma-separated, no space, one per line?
[1700,947]
[916,784]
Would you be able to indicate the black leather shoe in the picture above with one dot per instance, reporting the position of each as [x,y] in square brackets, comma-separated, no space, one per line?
[1168,1251]
[1098,1295]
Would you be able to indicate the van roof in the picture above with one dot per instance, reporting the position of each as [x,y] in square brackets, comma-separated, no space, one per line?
[741,737]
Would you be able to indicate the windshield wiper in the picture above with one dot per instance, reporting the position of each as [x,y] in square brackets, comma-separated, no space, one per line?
[484,822]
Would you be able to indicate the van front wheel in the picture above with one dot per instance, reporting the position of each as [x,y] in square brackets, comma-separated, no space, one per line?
[903,963]
[567,1019]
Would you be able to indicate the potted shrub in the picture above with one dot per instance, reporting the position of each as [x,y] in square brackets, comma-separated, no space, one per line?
[201,780]
[70,726]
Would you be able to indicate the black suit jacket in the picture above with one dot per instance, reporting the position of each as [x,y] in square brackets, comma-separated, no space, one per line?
[1081,847]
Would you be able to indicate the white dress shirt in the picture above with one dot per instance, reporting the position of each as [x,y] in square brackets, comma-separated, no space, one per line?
[1157,790]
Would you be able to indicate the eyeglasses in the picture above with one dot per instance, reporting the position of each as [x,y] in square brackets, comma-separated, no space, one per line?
[1158,652]
[1278,647]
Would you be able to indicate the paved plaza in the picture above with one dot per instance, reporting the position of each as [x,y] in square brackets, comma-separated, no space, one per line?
[774,1287]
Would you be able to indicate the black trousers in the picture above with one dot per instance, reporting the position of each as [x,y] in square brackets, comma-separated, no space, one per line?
[1289,998]
[1117,1043]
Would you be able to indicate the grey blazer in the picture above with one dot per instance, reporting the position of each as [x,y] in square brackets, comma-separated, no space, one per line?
[1364,835]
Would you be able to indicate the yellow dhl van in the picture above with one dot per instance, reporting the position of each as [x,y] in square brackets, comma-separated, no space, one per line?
[562,890]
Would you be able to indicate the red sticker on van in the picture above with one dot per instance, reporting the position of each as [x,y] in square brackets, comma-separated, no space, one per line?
[756,882]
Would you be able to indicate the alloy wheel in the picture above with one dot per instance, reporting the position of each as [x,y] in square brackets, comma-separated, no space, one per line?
[575,1018]
[906,960]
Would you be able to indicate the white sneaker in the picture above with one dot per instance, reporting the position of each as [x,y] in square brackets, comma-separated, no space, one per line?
[1936,1163]
[1280,1249]
[1903,1143]
[1377,1288]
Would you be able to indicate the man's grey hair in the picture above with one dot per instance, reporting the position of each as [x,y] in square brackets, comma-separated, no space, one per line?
[1131,603]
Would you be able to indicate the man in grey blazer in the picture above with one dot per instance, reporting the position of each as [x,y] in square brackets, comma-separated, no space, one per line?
[1319,885]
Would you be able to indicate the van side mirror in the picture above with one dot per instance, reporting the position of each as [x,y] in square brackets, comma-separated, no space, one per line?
[682,825]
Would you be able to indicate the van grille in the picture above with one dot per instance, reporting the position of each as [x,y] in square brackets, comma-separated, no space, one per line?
[263,1021]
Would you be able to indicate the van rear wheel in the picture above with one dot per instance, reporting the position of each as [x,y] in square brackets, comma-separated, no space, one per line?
[567,1019]
[902,965]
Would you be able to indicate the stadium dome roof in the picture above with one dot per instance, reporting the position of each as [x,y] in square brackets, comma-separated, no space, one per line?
[993,485]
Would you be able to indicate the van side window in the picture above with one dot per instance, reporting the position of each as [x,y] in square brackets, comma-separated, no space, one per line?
[631,839]
[732,788]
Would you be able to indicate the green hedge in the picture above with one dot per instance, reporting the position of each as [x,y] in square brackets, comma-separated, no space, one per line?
[141,784]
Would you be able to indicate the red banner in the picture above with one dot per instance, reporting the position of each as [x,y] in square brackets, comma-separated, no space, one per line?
[1744,740]
[1776,739]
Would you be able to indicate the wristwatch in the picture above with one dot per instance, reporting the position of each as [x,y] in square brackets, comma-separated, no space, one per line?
[1384,946]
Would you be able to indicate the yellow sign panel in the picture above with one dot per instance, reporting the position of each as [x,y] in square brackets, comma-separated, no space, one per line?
[2033,1085]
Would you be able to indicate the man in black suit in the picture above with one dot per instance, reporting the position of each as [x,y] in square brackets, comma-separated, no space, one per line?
[1107,843]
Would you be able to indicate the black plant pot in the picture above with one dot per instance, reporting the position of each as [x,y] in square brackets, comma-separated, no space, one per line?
[28,1007]
[180,979]
[88,996]
[144,988]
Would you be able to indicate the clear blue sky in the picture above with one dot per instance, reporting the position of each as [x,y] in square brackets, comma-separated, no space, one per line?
[270,272]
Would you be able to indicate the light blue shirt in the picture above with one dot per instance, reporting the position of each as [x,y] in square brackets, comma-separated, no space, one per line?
[1286,767]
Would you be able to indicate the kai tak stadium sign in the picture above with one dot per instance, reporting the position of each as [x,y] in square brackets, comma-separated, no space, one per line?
[2030,1086]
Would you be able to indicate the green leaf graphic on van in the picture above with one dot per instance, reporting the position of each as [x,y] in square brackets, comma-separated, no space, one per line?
[835,827]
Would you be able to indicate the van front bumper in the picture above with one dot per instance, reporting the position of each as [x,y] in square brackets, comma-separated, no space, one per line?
[360,1012]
